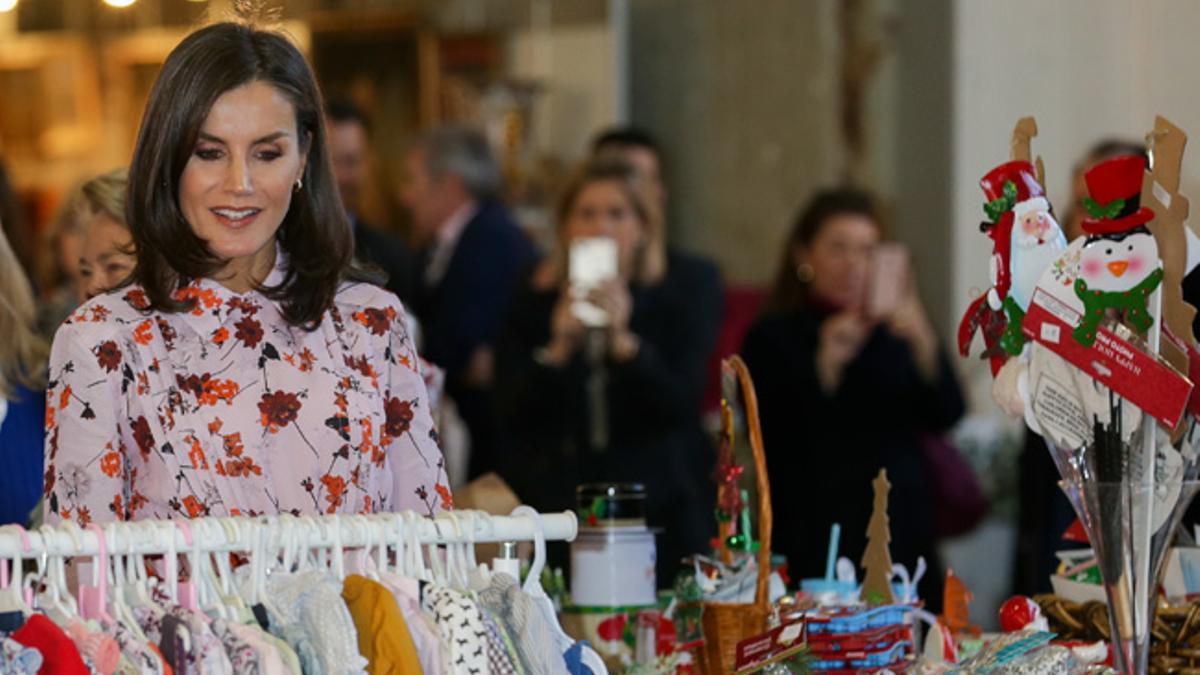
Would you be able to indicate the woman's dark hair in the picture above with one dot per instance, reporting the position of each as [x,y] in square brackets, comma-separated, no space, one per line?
[314,234]
[789,292]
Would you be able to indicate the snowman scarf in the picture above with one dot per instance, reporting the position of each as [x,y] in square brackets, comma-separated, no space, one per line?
[1131,302]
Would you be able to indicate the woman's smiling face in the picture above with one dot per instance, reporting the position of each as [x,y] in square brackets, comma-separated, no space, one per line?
[238,183]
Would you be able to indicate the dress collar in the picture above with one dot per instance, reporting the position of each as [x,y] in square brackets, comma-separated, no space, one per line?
[215,304]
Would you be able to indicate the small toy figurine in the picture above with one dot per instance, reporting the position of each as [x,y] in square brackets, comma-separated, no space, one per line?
[877,559]
[1119,267]
[1026,240]
[956,606]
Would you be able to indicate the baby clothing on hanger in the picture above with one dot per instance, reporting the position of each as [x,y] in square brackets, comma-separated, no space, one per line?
[535,639]
[17,659]
[499,657]
[458,619]
[243,656]
[425,636]
[316,622]
[383,636]
[59,656]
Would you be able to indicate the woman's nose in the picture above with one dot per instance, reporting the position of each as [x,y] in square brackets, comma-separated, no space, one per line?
[237,177]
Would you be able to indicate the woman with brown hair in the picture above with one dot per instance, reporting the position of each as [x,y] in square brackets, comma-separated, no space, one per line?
[617,400]
[247,366]
[22,393]
[842,393]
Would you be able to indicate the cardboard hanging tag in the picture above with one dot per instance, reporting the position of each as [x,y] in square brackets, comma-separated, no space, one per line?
[1160,192]
[1117,363]
[777,644]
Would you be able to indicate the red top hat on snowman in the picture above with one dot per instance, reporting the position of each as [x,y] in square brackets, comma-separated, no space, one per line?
[1115,204]
[1010,187]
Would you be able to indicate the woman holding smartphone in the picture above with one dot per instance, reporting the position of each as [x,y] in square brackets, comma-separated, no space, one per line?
[604,383]
[845,390]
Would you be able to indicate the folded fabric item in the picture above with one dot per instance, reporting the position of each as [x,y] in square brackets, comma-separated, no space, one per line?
[17,659]
[59,655]
[102,649]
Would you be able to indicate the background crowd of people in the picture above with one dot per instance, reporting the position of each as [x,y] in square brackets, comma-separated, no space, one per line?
[230,260]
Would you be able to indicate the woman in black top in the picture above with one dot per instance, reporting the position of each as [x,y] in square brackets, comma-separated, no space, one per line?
[617,403]
[843,395]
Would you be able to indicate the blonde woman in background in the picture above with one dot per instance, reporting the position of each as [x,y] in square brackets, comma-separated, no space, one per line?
[22,393]
[106,254]
[618,402]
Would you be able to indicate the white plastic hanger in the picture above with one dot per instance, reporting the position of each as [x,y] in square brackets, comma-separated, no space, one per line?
[121,612]
[165,533]
[147,530]
[227,587]
[258,565]
[58,587]
[416,557]
[381,551]
[13,599]
[402,567]
[210,600]
[474,577]
[308,530]
[367,566]
[533,587]
[456,576]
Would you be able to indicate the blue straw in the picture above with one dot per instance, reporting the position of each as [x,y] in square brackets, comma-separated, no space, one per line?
[835,533]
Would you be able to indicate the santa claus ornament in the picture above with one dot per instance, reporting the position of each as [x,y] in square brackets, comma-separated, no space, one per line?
[1026,239]
[1119,267]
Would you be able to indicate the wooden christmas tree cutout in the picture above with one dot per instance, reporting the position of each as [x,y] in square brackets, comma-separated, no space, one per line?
[877,559]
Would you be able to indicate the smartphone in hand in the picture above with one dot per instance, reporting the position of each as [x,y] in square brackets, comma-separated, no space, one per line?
[888,281]
[591,262]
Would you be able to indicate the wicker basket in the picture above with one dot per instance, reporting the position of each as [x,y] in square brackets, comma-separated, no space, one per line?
[727,624]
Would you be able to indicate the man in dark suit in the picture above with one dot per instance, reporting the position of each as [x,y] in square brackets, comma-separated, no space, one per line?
[474,255]
[348,136]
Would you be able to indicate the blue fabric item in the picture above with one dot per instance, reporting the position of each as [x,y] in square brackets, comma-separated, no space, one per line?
[574,659]
[17,659]
[21,455]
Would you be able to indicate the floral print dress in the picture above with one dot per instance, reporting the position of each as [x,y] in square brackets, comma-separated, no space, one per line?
[229,410]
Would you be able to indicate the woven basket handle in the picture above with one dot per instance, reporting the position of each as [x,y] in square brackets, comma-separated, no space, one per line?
[765,517]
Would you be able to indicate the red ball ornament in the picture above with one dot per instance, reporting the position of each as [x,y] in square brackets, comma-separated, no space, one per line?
[1018,612]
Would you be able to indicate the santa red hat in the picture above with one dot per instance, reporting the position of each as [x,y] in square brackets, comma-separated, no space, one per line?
[1018,172]
[1115,201]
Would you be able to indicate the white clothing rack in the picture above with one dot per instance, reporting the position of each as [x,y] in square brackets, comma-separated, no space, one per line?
[235,534]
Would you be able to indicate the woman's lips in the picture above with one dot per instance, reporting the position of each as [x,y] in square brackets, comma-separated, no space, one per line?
[236,218]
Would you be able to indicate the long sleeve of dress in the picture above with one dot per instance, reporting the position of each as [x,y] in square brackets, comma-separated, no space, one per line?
[86,472]
[414,455]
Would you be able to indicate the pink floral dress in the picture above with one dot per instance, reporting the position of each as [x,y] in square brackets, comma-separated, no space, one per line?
[229,410]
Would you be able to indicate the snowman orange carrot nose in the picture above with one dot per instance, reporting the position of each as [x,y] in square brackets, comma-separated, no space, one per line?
[1118,267]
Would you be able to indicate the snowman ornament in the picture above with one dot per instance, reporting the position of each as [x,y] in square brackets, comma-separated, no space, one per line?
[1119,266]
